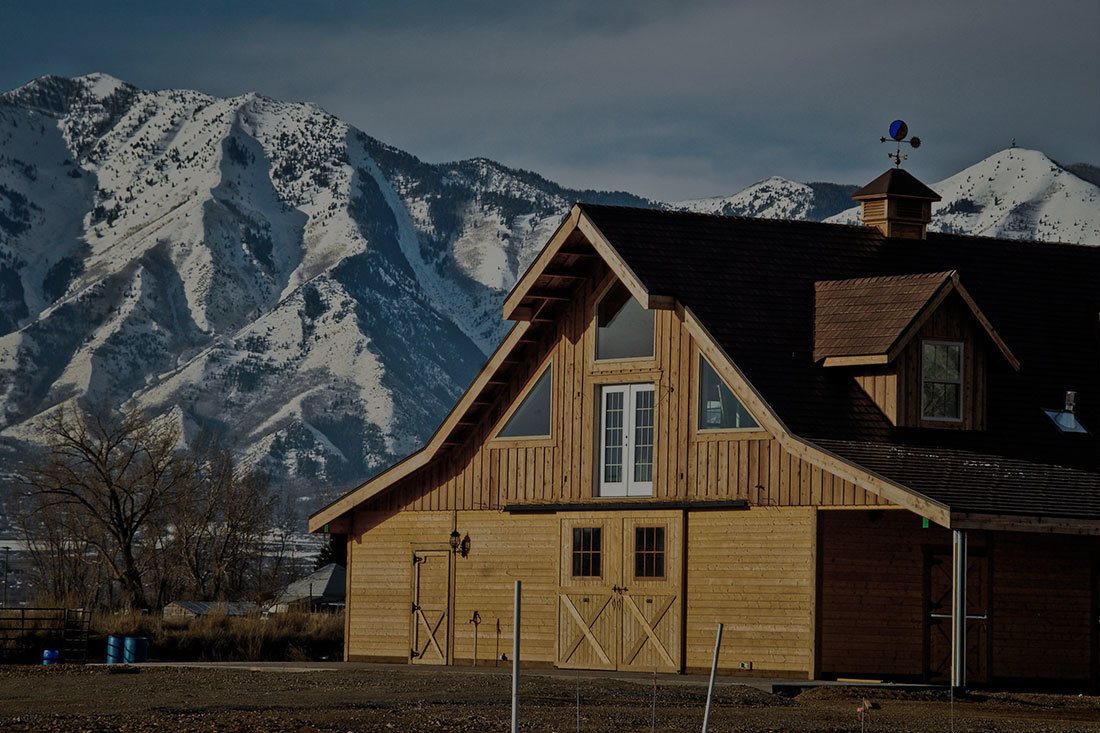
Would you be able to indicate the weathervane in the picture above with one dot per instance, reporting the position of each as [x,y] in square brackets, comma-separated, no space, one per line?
[898,131]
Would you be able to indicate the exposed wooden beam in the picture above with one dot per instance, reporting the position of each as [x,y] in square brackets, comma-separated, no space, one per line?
[544,294]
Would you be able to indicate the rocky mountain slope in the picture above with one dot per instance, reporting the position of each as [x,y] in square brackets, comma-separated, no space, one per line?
[262,270]
[255,268]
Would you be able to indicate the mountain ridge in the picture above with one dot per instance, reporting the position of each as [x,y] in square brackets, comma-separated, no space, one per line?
[264,271]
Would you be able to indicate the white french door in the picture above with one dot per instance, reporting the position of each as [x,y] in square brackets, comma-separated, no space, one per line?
[626,440]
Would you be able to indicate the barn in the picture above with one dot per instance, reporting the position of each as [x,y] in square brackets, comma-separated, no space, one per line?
[869,451]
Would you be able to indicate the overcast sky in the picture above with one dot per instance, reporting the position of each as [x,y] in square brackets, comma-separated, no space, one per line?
[664,99]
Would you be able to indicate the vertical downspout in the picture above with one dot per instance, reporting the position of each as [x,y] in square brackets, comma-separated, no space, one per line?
[958,608]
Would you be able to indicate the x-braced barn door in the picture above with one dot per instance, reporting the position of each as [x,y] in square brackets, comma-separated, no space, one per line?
[431,595]
[619,600]
[938,616]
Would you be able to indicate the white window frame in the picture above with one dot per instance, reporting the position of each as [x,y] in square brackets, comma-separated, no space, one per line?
[626,486]
[962,372]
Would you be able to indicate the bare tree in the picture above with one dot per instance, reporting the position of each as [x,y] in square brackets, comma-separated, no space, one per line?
[108,481]
[219,531]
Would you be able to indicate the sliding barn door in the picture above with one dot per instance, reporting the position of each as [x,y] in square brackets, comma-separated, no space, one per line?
[938,585]
[651,593]
[588,599]
[619,599]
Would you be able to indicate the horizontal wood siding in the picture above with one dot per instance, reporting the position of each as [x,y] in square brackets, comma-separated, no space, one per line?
[1042,606]
[380,561]
[872,593]
[754,572]
[480,473]
[502,549]
[505,548]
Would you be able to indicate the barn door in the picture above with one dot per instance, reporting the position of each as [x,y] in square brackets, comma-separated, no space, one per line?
[619,598]
[588,599]
[938,617]
[431,617]
[650,593]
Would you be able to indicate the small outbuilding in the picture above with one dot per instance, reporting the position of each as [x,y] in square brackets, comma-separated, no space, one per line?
[321,590]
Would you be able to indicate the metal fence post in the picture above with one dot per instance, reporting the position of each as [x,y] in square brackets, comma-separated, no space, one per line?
[713,672]
[515,659]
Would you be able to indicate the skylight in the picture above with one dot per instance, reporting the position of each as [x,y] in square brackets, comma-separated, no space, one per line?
[1066,419]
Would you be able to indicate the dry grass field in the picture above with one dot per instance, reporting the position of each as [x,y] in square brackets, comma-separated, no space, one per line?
[397,698]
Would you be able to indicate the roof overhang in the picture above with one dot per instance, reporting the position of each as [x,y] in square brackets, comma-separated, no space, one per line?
[547,281]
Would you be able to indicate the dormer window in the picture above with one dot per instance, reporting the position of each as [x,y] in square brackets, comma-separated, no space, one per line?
[942,380]
[624,328]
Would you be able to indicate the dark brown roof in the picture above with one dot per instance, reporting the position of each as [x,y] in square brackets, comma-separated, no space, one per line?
[868,315]
[896,182]
[751,283]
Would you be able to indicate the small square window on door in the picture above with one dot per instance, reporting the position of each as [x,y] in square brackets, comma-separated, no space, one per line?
[649,552]
[587,552]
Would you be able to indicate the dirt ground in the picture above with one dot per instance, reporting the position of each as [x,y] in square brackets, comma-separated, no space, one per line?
[94,699]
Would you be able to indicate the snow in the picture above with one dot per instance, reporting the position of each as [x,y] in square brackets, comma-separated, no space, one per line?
[772,198]
[261,269]
[1015,194]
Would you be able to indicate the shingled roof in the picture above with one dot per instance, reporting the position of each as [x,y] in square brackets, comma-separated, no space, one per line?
[874,317]
[896,182]
[751,282]
[866,316]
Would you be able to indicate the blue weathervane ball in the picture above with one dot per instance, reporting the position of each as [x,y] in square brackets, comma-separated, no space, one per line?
[898,129]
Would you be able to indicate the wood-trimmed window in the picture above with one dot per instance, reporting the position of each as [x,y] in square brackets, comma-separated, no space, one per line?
[649,552]
[627,420]
[942,381]
[719,408]
[624,329]
[587,552]
[532,417]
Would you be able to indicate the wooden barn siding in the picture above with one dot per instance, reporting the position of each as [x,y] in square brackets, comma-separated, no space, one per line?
[1042,606]
[490,475]
[503,548]
[871,618]
[754,572]
[872,592]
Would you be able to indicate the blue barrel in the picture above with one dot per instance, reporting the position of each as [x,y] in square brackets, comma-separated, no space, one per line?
[135,650]
[50,656]
[114,650]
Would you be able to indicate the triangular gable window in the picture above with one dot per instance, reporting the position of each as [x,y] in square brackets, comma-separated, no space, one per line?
[624,328]
[719,409]
[532,418]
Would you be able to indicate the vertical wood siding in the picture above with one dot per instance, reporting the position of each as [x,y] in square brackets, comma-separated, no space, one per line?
[488,474]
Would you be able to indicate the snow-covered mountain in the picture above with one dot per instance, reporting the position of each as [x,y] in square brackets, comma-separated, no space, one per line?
[1016,194]
[265,271]
[777,198]
[252,267]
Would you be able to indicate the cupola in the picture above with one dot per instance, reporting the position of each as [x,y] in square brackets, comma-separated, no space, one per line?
[897,204]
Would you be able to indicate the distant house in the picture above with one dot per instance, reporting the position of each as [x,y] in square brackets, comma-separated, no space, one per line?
[193,609]
[870,451]
[323,589]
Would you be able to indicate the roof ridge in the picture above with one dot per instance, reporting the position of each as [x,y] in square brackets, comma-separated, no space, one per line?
[726,217]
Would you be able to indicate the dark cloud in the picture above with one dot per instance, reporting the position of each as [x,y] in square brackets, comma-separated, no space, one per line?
[667,99]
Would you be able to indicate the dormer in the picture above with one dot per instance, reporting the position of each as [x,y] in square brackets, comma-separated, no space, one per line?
[918,346]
